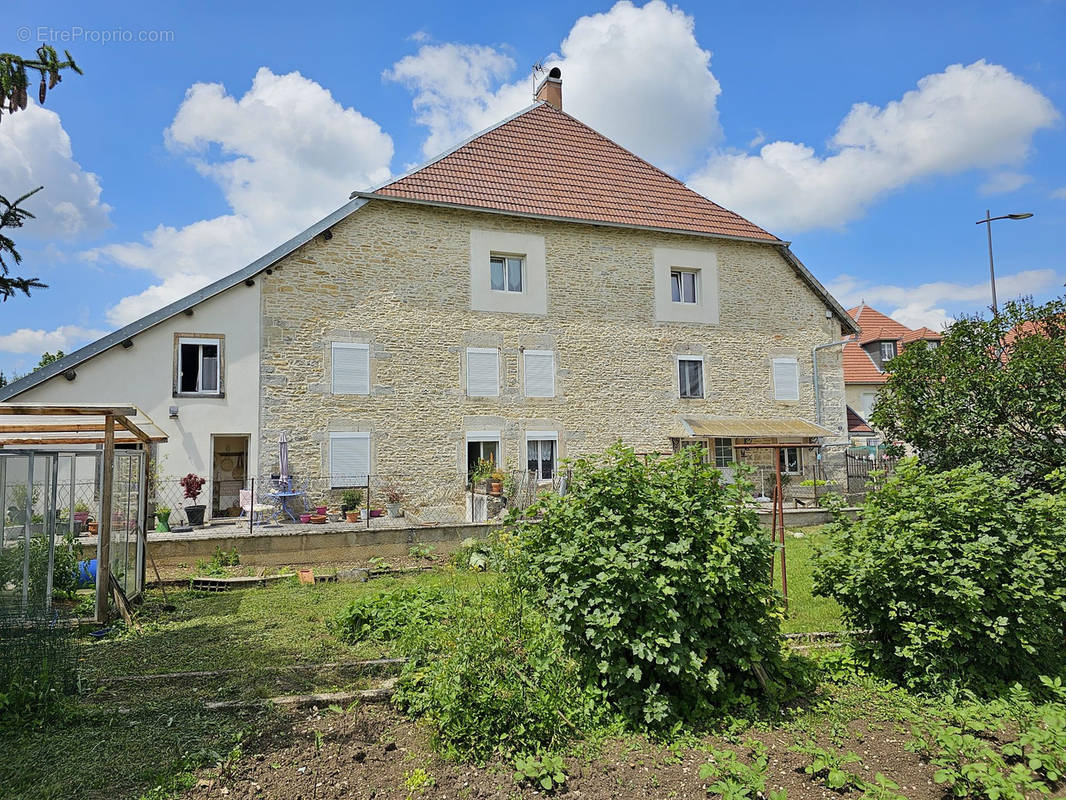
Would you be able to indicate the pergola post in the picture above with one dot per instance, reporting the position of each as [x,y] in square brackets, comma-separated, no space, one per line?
[103,530]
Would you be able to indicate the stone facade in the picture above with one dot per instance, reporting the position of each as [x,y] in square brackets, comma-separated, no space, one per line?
[397,277]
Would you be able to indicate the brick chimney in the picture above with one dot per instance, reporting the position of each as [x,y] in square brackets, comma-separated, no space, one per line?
[551,89]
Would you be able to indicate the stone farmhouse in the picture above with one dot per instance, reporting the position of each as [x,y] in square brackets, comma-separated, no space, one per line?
[865,365]
[534,294]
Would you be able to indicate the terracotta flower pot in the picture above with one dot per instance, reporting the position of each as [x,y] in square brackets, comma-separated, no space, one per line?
[318,519]
[94,528]
[351,516]
[496,488]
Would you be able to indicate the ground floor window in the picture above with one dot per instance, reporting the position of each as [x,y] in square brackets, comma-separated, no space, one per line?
[482,446]
[540,456]
[723,452]
[790,461]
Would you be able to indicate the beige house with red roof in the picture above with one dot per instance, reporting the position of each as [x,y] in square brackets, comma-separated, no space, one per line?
[535,293]
[866,358]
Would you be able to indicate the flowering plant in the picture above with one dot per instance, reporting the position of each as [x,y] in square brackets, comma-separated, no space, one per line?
[193,485]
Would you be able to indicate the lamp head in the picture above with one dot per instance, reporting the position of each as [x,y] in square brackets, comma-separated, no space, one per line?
[1019,216]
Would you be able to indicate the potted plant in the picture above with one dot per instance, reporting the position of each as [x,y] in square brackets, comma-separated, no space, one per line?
[482,472]
[394,496]
[162,519]
[193,485]
[351,503]
[496,484]
[81,512]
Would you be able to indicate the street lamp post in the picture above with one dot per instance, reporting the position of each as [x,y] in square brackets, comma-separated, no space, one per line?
[987,221]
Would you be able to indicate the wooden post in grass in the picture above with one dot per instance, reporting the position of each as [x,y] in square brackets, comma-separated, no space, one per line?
[779,515]
[103,529]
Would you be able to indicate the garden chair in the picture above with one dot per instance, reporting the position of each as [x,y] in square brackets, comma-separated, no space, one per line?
[261,513]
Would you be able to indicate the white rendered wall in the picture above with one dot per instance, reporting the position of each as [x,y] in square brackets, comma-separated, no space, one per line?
[143,376]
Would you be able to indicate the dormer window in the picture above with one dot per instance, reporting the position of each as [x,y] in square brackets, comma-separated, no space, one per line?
[888,351]
[505,273]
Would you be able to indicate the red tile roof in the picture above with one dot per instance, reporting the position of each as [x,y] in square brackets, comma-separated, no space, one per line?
[545,162]
[859,367]
[857,424]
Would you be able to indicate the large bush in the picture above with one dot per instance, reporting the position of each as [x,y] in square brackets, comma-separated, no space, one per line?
[960,575]
[658,575]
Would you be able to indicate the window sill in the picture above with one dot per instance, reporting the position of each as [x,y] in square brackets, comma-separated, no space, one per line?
[198,394]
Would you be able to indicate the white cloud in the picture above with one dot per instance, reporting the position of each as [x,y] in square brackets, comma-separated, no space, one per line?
[36,341]
[636,74]
[933,304]
[284,155]
[1059,194]
[35,151]
[1004,182]
[979,116]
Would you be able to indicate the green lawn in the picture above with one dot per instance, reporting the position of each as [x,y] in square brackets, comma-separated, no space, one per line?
[806,613]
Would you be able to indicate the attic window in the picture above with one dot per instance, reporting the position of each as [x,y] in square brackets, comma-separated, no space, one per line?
[198,365]
[888,351]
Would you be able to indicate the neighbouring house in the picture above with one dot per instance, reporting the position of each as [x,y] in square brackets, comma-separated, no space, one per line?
[533,294]
[866,359]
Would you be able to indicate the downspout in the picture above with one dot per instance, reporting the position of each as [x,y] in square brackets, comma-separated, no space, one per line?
[814,374]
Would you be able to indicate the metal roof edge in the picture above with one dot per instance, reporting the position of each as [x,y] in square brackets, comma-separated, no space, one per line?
[92,349]
[846,321]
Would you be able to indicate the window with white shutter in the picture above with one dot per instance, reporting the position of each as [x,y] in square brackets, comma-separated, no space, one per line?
[786,379]
[539,373]
[482,372]
[351,368]
[349,459]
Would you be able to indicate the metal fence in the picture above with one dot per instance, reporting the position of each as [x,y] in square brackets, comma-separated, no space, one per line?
[865,469]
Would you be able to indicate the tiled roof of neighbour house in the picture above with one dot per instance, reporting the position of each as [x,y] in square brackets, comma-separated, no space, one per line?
[545,162]
[921,333]
[877,326]
[859,367]
[856,424]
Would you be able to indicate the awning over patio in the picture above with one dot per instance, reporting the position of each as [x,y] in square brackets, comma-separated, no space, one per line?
[750,427]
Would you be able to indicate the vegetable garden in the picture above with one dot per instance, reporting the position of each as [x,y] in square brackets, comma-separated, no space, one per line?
[621,641]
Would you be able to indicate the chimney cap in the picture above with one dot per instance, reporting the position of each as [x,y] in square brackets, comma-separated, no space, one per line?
[550,89]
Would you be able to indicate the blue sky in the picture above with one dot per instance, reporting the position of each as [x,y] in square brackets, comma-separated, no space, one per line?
[872,138]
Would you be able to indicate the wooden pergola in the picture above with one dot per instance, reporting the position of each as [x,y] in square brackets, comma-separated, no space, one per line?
[92,424]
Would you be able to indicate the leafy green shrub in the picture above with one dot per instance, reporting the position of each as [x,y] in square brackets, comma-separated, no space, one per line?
[658,575]
[386,616]
[495,676]
[219,562]
[960,575]
[541,771]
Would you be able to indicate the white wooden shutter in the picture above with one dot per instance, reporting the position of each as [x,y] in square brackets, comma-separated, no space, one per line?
[482,372]
[349,459]
[539,369]
[351,368]
[786,379]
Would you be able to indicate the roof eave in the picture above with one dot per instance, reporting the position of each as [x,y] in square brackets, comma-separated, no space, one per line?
[266,261]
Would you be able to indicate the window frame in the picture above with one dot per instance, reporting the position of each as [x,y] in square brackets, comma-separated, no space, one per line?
[506,259]
[334,346]
[199,339]
[784,459]
[892,346]
[481,438]
[540,437]
[525,372]
[719,463]
[680,272]
[703,381]
[793,361]
[482,350]
[341,435]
